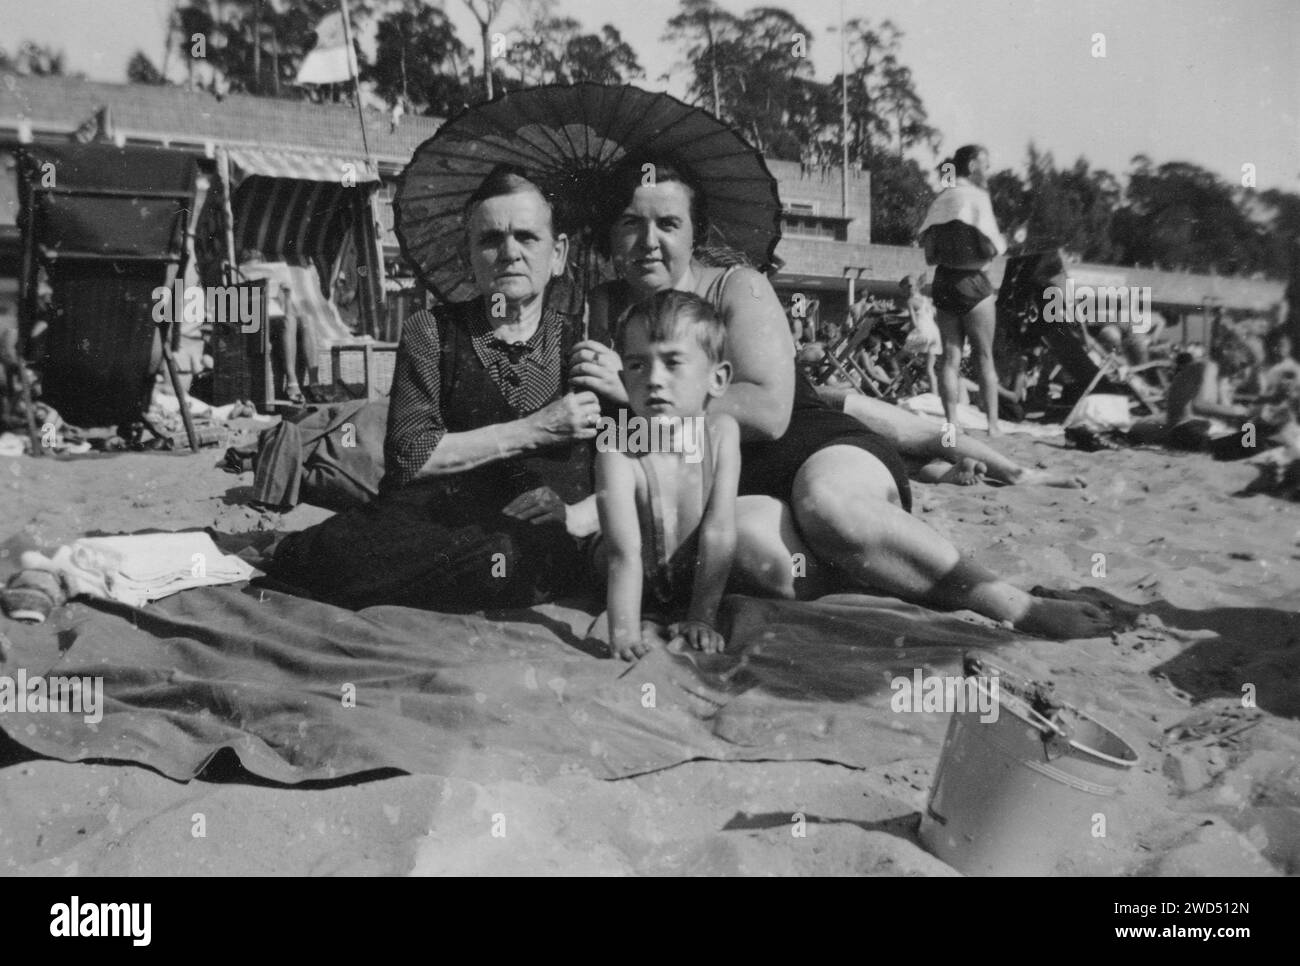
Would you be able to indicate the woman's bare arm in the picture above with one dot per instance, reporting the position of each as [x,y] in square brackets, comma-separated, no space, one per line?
[760,350]
[1208,401]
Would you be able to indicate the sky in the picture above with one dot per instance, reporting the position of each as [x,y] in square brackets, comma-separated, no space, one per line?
[1213,82]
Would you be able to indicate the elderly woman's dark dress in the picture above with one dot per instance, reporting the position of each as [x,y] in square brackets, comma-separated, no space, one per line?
[443,542]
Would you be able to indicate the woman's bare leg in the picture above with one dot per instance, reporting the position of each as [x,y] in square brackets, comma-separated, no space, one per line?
[288,354]
[308,371]
[771,558]
[916,437]
[847,508]
[979,324]
[954,341]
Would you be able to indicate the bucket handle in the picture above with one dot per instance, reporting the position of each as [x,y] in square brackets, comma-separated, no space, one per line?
[1037,720]
[1056,741]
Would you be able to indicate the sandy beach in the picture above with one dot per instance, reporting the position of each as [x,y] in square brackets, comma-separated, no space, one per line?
[1216,791]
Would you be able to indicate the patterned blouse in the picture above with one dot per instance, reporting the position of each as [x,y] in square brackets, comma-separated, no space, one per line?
[527,373]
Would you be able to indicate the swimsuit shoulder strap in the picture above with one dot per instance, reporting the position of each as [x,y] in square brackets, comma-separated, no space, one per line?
[713,294]
[655,497]
[708,469]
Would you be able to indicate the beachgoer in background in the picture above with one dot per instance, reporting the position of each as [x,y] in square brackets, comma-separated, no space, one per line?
[1201,403]
[961,237]
[1280,367]
[860,313]
[486,495]
[814,481]
[296,342]
[1014,372]
[672,566]
[924,339]
[1201,412]
[879,365]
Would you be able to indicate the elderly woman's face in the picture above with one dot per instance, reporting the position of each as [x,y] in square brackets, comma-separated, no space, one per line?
[513,248]
[652,241]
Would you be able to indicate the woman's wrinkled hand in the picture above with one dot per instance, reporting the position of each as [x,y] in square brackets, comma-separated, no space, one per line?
[572,416]
[542,505]
[595,367]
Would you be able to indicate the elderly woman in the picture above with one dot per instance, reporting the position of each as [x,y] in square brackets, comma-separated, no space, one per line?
[487,492]
[816,486]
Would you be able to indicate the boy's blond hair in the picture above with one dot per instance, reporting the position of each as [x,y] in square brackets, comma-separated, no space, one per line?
[666,314]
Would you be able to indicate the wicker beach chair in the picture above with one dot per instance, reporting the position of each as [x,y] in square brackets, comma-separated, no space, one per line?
[108,226]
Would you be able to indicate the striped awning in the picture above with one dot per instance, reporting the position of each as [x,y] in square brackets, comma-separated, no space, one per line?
[299,167]
[294,207]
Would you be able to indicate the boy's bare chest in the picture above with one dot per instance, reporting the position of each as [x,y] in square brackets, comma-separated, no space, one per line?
[672,489]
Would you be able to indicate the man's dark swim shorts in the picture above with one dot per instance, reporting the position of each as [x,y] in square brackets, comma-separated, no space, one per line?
[958,290]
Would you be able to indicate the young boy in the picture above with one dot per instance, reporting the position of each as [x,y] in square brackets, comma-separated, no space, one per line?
[667,492]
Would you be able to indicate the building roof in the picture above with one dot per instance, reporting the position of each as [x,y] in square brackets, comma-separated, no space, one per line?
[175,114]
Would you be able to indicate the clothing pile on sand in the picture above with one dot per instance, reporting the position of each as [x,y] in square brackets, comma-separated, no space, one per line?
[132,569]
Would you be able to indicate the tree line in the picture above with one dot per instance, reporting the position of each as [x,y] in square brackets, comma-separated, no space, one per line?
[755,71]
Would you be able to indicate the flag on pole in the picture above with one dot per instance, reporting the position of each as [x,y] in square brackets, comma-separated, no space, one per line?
[332,60]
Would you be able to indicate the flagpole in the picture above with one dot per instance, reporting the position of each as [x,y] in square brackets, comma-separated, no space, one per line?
[356,81]
[373,280]
[844,124]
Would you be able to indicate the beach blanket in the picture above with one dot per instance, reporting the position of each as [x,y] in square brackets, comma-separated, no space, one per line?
[296,690]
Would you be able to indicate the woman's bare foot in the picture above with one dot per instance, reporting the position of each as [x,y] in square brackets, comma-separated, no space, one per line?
[965,472]
[1057,614]
[1065,619]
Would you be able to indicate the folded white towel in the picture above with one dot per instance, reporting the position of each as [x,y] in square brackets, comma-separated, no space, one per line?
[966,203]
[138,568]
